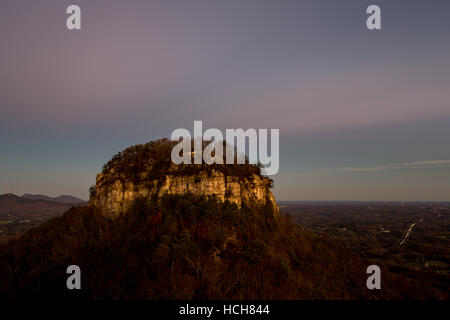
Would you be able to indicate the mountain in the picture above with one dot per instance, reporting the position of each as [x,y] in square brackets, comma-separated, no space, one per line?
[134,241]
[60,199]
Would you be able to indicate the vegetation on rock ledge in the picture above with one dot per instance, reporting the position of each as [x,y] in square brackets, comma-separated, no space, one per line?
[152,161]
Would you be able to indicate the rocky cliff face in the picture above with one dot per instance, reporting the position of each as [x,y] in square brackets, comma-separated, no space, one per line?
[115,191]
[117,197]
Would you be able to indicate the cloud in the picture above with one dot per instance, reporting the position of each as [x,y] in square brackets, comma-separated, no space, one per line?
[403,165]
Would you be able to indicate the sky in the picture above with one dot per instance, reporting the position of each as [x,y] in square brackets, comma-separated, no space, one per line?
[363,115]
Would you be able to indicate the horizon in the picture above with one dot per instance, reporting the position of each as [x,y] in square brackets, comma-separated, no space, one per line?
[361,114]
[278,201]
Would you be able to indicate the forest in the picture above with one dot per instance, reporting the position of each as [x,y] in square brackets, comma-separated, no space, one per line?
[189,247]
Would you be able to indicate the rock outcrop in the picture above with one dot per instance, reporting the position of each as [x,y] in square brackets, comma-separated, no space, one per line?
[115,190]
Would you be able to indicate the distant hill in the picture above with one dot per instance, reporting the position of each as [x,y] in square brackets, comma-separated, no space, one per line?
[60,199]
[18,214]
[12,204]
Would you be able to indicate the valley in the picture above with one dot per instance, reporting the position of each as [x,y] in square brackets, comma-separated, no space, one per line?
[406,237]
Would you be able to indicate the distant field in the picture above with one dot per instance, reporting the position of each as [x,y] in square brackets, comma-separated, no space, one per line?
[379,231]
